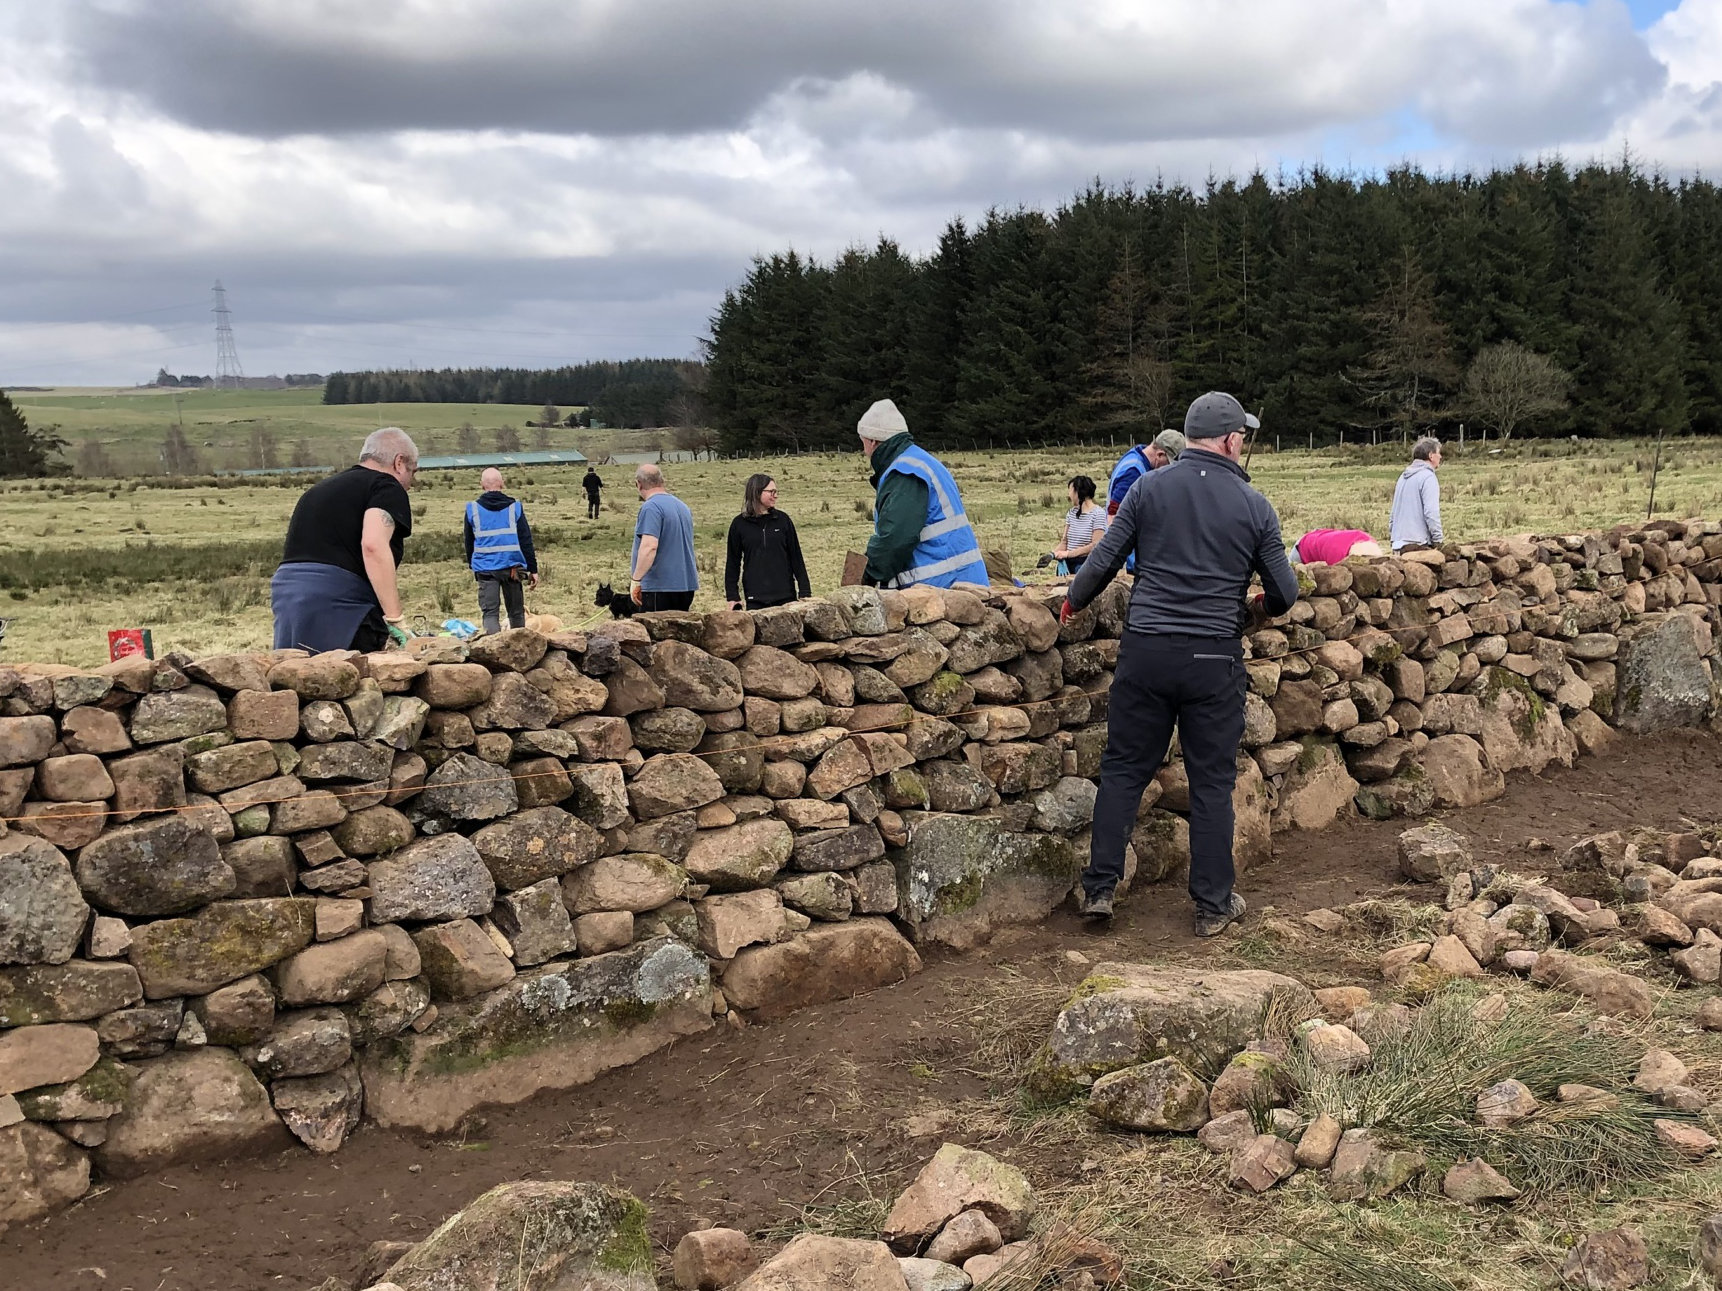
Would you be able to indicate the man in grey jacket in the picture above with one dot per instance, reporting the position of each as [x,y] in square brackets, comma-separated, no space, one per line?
[1199,532]
[1416,522]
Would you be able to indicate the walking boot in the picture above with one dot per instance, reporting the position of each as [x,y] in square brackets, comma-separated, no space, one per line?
[1212,925]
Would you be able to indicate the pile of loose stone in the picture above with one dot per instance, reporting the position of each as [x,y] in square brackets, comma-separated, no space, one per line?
[1133,1037]
[966,1217]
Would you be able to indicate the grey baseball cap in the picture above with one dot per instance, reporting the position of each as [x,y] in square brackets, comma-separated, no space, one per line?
[1169,442]
[1216,414]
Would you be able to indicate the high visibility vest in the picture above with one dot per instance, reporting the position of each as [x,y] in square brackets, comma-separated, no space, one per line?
[1134,459]
[947,550]
[495,547]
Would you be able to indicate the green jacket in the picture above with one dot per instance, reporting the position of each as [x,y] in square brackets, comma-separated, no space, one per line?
[899,514]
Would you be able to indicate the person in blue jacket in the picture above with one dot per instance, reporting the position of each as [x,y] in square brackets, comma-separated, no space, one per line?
[1138,461]
[921,533]
[499,549]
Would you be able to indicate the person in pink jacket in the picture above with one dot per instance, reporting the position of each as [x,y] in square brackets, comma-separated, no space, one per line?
[1330,546]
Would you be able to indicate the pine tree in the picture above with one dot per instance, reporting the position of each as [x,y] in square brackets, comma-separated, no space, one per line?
[25,452]
[1129,384]
[1411,367]
[1631,342]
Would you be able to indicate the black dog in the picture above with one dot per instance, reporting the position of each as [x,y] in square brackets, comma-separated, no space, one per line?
[620,607]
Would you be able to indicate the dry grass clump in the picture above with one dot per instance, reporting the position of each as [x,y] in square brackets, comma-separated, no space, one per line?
[1422,1086]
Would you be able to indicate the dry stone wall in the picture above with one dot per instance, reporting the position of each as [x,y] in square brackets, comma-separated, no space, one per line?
[248,898]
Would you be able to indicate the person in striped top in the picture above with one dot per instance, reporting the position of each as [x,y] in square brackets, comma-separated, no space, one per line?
[1084,525]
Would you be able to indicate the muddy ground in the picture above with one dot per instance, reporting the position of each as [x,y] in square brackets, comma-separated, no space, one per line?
[747,1127]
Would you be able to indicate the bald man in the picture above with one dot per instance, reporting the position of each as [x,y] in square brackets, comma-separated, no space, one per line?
[499,549]
[335,588]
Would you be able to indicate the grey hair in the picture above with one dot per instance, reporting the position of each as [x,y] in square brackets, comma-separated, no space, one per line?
[384,445]
[648,476]
[1425,448]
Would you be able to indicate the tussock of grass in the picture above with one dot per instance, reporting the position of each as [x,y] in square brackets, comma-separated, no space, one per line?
[1423,1087]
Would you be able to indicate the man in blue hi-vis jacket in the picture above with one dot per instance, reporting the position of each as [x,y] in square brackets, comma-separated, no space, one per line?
[499,549]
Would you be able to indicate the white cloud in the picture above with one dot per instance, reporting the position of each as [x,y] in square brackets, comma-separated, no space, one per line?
[545,180]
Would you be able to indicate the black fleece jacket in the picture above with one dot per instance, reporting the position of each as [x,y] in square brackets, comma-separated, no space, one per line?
[1199,532]
[765,559]
[495,501]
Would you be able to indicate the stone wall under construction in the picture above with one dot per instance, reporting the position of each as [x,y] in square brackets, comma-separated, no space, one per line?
[252,897]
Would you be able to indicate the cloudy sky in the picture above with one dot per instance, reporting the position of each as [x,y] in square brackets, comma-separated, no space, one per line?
[533,182]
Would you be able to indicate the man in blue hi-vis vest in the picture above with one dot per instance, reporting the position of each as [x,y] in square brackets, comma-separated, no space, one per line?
[921,533]
[499,549]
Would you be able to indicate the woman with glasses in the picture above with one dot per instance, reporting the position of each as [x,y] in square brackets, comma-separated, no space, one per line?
[764,552]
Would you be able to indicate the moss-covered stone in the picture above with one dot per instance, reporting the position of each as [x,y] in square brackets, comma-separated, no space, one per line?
[552,1028]
[536,1234]
[961,876]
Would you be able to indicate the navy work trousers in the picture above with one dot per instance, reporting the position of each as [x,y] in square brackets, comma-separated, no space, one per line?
[1197,684]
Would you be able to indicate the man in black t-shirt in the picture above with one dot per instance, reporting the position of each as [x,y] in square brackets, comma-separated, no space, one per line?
[335,588]
[593,483]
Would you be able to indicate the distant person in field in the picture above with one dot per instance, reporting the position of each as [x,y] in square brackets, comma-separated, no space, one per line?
[1084,526]
[499,550]
[1331,546]
[593,483]
[1416,521]
[663,575]
[764,552]
[921,534]
[335,588]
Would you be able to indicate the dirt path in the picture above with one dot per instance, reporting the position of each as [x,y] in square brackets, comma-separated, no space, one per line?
[745,1127]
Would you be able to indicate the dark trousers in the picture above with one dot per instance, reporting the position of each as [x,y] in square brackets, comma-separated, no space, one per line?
[591,506]
[1198,684]
[498,593]
[665,600]
[371,634]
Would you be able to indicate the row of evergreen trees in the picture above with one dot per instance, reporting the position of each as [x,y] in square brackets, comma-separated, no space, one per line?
[633,392]
[1541,298]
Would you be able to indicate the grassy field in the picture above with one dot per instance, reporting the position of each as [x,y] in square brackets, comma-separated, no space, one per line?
[79,557]
[130,424]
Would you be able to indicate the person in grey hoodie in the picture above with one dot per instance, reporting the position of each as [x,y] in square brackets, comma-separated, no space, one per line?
[1416,521]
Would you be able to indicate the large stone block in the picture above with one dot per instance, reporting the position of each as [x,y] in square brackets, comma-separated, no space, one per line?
[827,962]
[219,944]
[673,782]
[42,909]
[1661,682]
[555,1027]
[690,678]
[1126,1014]
[195,1105]
[66,992]
[442,877]
[333,972]
[49,1054]
[961,877]
[177,715]
[572,1236]
[540,843]
[40,1171]
[743,856]
[158,867]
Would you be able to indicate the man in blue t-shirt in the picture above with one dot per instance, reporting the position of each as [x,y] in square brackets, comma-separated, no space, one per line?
[663,575]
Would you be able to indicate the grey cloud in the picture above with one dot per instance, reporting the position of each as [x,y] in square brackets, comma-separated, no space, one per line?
[688,66]
[1583,69]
